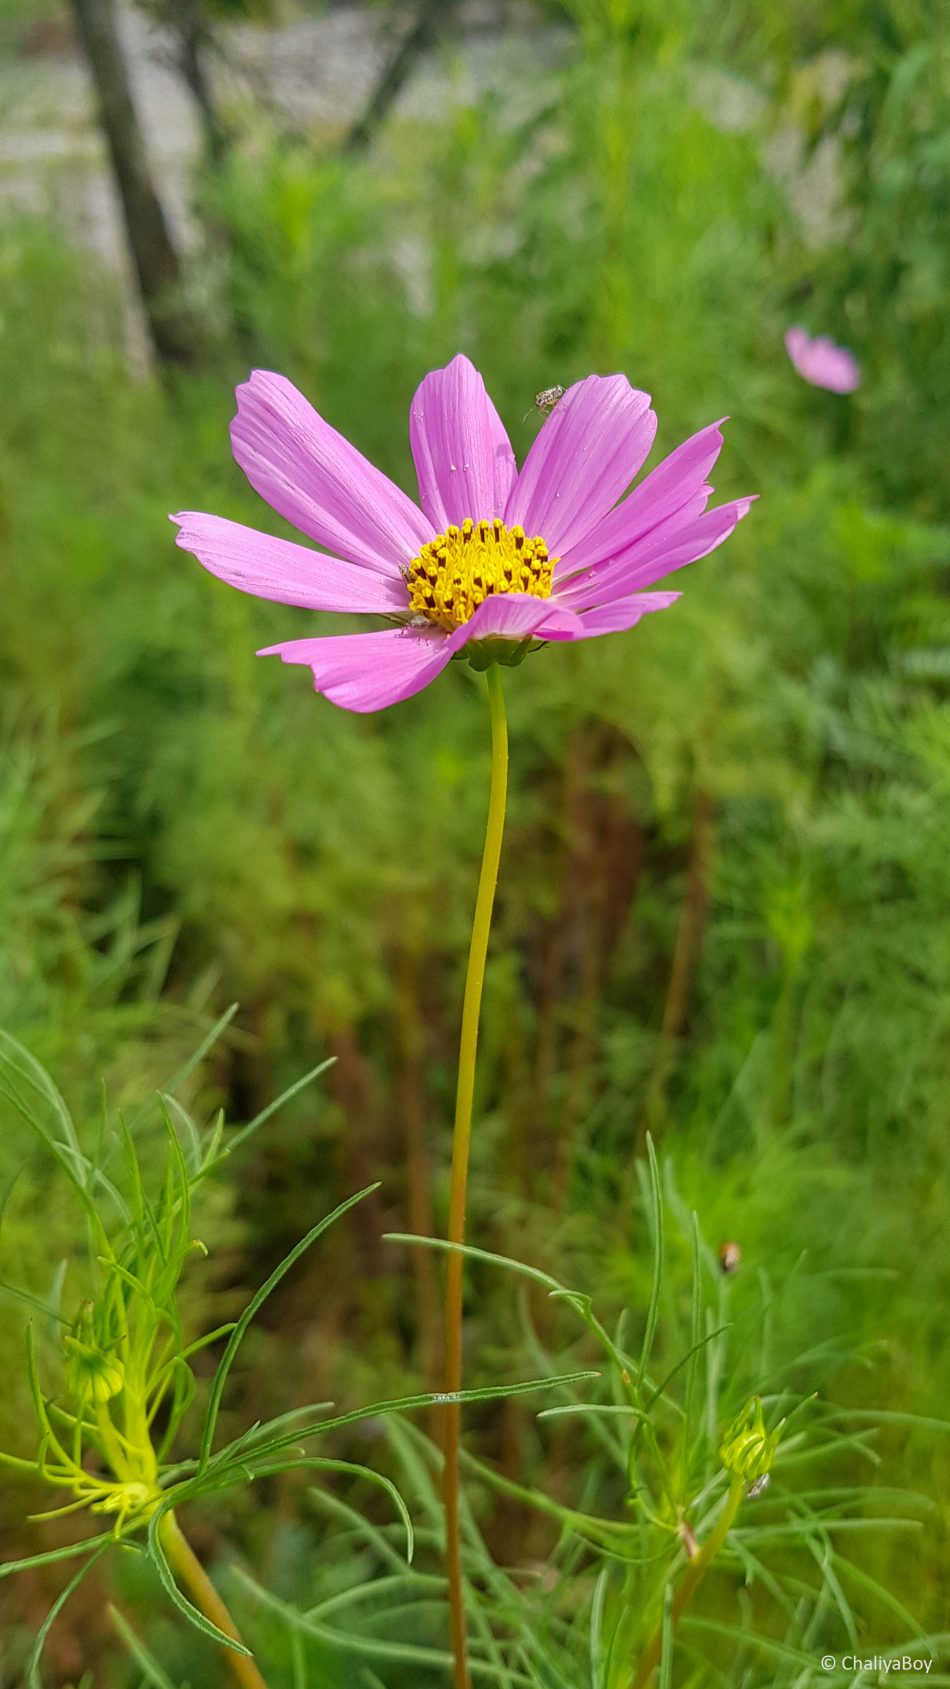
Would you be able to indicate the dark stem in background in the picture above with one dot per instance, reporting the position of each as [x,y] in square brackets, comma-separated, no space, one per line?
[586,961]
[431,17]
[172,330]
[194,40]
[689,937]
[603,864]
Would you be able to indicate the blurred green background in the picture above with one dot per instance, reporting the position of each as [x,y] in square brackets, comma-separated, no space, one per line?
[723,906]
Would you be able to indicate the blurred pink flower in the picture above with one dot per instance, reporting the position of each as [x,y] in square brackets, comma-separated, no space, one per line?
[491,555]
[823,363]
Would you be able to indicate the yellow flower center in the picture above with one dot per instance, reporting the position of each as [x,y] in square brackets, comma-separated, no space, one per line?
[457,571]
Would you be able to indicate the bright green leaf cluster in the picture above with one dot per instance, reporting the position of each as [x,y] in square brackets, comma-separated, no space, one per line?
[126,1357]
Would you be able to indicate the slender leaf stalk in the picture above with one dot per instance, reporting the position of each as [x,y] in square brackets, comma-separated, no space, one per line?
[461,1141]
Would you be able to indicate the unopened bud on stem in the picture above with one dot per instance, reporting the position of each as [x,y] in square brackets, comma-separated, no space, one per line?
[748,1449]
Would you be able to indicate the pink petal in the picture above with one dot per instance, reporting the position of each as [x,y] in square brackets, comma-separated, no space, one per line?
[463,459]
[797,342]
[668,547]
[586,455]
[624,613]
[284,572]
[368,671]
[673,484]
[823,363]
[312,476]
[515,616]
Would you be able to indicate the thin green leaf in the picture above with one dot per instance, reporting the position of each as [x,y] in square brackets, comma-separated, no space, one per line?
[240,1137]
[690,1355]
[33,1678]
[597,1627]
[626,1410]
[387,1649]
[473,1254]
[166,1578]
[653,1309]
[354,1468]
[194,1060]
[400,1404]
[918,1421]
[298,1660]
[16,1061]
[256,1303]
[666,1655]
[17,1464]
[176,1113]
[69,1552]
[245,1444]
[29,1301]
[147,1662]
[373,1589]
[695,1338]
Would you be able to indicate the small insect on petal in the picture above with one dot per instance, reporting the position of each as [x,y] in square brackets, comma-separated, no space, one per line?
[545,401]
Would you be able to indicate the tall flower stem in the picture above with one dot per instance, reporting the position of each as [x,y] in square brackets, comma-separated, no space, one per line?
[461,1141]
[692,1577]
[190,1572]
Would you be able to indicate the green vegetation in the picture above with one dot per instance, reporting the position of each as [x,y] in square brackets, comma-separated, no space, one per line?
[722,916]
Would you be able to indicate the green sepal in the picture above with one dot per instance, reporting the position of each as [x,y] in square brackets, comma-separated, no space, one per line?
[481,654]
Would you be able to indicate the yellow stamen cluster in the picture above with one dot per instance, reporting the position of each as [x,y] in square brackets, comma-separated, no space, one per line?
[456,572]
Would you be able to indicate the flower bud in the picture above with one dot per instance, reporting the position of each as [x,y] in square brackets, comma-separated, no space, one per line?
[747,1449]
[93,1373]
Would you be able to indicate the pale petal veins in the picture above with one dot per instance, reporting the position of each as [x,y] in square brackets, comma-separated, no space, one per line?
[284,572]
[315,478]
[463,457]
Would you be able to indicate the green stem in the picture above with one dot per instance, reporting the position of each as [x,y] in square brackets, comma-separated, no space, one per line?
[189,1571]
[695,1572]
[471,1008]
[111,1446]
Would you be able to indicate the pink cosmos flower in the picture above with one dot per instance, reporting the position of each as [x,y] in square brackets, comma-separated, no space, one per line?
[494,561]
[823,363]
